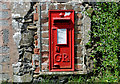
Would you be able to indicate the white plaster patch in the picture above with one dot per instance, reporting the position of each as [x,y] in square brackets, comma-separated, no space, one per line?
[15,15]
[67,13]
[17,38]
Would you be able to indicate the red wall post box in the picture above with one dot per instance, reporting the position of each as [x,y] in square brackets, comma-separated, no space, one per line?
[61,40]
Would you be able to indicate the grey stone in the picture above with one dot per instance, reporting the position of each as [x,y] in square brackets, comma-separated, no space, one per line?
[24,78]
[4,49]
[4,14]
[4,22]
[27,56]
[16,70]
[27,38]
[5,36]
[18,64]
[87,26]
[0,68]
[1,58]
[0,78]
[5,58]
[5,77]
[20,8]
[3,6]
[17,38]
[29,49]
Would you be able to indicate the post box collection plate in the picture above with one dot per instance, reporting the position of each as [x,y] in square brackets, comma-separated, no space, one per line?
[61,40]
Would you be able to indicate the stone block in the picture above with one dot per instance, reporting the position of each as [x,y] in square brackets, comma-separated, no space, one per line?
[52,7]
[5,58]
[45,47]
[45,35]
[5,36]
[43,7]
[45,41]
[61,6]
[4,49]
[17,38]
[44,20]
[16,70]
[23,78]
[4,14]
[45,67]
[1,68]
[44,15]
[5,77]
[44,28]
[45,24]
[27,56]
[77,8]
[4,22]
[78,67]
[45,60]
[69,7]
[35,57]
[3,6]
[45,54]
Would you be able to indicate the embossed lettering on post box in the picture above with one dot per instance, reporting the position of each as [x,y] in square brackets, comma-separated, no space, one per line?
[61,40]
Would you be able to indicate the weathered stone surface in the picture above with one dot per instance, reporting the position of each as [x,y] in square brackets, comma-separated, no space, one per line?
[4,22]
[27,38]
[69,6]
[24,78]
[17,38]
[4,49]
[4,14]
[5,77]
[27,56]
[16,70]
[5,58]
[45,35]
[17,9]
[45,41]
[0,78]
[45,48]
[44,28]
[1,68]
[52,6]
[87,25]
[5,36]
[3,6]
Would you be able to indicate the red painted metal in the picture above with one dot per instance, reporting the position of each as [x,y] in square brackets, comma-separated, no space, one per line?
[61,56]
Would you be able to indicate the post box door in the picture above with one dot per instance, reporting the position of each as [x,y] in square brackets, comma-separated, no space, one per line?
[61,40]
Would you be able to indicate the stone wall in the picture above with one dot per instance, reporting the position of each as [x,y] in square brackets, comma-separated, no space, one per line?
[26,41]
[8,49]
